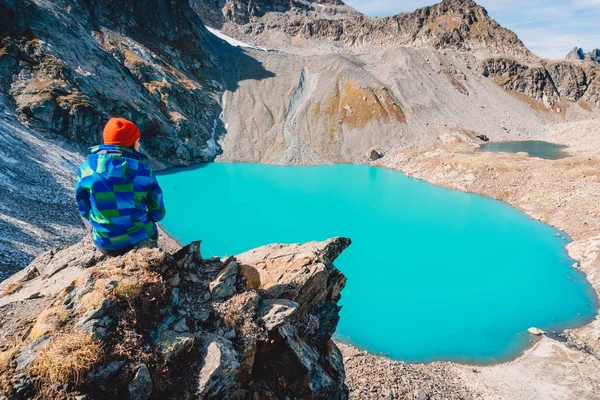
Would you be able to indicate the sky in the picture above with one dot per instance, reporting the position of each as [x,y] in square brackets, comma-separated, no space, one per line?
[549,28]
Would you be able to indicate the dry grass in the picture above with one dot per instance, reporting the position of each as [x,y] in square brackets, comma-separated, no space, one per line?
[132,58]
[5,358]
[6,378]
[129,340]
[48,321]
[12,288]
[447,23]
[501,80]
[534,104]
[128,289]
[66,359]
[394,110]
[239,313]
[355,107]
[133,275]
[92,299]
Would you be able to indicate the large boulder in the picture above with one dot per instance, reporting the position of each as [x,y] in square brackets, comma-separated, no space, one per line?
[154,324]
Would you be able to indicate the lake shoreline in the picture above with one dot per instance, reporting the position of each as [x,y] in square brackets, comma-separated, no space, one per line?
[468,362]
[507,178]
[513,178]
[562,193]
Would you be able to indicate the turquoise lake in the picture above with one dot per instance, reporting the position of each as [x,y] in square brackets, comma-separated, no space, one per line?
[433,274]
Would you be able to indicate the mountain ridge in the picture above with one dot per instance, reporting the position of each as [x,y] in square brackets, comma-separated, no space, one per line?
[459,24]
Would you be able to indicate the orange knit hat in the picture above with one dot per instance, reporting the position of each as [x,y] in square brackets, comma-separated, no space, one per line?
[119,131]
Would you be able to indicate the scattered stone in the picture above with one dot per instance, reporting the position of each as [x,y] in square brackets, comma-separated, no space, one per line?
[30,352]
[174,297]
[175,280]
[201,315]
[140,387]
[94,327]
[231,354]
[224,284]
[217,374]
[164,324]
[96,313]
[192,277]
[230,335]
[171,344]
[536,331]
[274,312]
[181,326]
[374,155]
[106,372]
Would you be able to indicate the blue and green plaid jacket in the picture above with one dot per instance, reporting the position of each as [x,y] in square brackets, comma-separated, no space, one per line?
[119,195]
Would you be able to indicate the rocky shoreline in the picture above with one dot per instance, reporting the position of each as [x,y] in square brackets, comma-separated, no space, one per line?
[561,193]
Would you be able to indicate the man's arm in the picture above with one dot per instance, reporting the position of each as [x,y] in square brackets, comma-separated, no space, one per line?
[154,201]
[82,196]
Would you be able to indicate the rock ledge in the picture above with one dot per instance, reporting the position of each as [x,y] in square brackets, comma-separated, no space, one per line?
[151,324]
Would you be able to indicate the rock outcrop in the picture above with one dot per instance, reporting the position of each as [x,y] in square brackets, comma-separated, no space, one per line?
[458,24]
[578,54]
[548,83]
[151,324]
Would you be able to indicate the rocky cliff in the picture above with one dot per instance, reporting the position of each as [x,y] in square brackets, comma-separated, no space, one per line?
[66,66]
[156,324]
[549,82]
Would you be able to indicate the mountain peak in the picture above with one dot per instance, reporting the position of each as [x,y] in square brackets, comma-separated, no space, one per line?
[579,54]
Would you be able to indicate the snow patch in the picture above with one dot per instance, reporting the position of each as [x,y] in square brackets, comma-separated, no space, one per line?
[211,144]
[232,41]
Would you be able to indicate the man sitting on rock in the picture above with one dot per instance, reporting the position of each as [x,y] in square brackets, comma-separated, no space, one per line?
[117,193]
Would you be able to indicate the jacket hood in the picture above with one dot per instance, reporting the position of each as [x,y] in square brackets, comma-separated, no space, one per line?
[116,164]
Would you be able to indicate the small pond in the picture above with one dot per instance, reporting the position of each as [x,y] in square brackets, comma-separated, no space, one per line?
[535,148]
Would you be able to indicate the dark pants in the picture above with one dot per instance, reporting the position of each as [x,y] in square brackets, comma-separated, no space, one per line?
[116,253]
